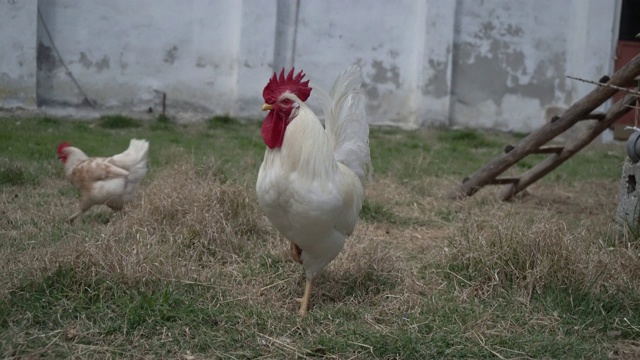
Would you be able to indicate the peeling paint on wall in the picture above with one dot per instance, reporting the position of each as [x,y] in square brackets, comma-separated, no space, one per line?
[170,55]
[385,75]
[46,60]
[102,64]
[84,60]
[518,54]
[371,91]
[122,62]
[438,84]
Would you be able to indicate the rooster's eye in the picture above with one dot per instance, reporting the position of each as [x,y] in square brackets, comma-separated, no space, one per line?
[286,102]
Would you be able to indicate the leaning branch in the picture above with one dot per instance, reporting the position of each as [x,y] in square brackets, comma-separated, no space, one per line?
[628,91]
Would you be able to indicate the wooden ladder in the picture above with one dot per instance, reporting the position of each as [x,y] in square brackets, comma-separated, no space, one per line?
[535,141]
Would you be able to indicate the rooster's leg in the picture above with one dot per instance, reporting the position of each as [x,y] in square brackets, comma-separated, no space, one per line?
[296,253]
[304,302]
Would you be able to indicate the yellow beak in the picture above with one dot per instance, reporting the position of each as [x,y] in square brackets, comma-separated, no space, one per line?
[266,107]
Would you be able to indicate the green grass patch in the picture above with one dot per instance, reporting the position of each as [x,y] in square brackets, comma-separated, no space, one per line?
[163,119]
[377,212]
[118,122]
[78,307]
[162,123]
[221,121]
[467,139]
[13,174]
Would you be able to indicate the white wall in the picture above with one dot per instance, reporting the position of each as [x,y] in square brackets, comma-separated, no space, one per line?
[18,54]
[471,63]
[124,52]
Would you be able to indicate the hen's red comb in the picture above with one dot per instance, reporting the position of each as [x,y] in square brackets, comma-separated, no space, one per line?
[62,146]
[278,85]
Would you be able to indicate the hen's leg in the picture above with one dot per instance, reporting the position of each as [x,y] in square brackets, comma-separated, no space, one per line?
[117,208]
[115,205]
[84,206]
[74,216]
[296,253]
[304,302]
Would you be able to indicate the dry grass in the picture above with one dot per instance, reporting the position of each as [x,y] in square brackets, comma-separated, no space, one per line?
[192,269]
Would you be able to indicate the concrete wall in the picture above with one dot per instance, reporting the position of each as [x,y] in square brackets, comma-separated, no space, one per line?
[470,63]
[18,53]
[125,53]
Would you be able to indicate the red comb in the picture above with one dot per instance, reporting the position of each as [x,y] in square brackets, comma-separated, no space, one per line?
[278,85]
[62,146]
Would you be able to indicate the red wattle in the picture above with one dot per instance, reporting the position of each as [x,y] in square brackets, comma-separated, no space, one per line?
[273,128]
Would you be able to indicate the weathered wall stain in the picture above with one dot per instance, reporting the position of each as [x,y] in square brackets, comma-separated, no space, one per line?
[201,62]
[170,55]
[384,75]
[502,71]
[103,64]
[371,90]
[124,65]
[437,85]
[46,59]
[84,60]
[100,65]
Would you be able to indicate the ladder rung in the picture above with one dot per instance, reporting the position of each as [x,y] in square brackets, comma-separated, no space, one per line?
[542,150]
[549,150]
[592,116]
[504,181]
[595,116]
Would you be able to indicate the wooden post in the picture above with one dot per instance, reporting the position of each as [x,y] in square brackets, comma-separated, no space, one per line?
[553,161]
[578,111]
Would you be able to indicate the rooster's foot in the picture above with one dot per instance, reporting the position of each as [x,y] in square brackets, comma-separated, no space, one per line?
[304,302]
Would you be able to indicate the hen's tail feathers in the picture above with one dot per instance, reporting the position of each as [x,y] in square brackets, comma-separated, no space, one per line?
[134,159]
[346,122]
[137,152]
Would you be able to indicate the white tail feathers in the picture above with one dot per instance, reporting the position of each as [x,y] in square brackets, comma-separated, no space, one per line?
[138,151]
[134,160]
[346,122]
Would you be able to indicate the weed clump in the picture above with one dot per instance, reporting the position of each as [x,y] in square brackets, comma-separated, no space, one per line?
[163,122]
[538,256]
[221,121]
[467,138]
[118,122]
[13,174]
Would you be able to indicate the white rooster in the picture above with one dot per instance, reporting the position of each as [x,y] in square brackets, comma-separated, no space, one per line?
[111,181]
[311,182]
